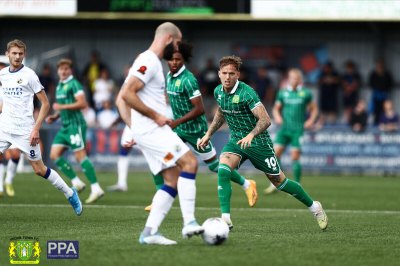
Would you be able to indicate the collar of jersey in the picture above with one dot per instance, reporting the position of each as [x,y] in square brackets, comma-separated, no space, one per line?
[289,88]
[179,71]
[234,87]
[67,79]
[15,71]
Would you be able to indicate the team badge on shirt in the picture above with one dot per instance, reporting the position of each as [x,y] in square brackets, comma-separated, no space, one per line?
[235,99]
[142,69]
[302,94]
[19,81]
[178,83]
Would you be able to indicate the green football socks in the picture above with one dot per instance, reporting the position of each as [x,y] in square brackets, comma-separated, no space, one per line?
[65,167]
[158,180]
[297,170]
[224,188]
[296,190]
[88,169]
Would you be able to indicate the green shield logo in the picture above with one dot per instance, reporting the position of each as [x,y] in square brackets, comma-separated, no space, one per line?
[24,249]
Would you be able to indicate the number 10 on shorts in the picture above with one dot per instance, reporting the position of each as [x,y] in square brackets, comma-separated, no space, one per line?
[271,162]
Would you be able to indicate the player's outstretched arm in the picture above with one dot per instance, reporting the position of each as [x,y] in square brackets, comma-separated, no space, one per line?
[129,94]
[263,122]
[44,109]
[217,122]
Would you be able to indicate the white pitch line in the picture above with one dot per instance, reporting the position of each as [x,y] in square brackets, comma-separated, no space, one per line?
[198,208]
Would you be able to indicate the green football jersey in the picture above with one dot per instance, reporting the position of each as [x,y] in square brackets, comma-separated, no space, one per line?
[294,108]
[237,107]
[65,94]
[182,87]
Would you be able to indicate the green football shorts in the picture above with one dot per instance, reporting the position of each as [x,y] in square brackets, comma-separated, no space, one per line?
[72,136]
[262,157]
[286,137]
[191,139]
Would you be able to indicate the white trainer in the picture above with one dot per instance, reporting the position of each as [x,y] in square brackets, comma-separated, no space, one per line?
[94,196]
[192,229]
[156,239]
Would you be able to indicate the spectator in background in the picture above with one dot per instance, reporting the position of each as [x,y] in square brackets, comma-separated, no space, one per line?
[107,116]
[381,82]
[47,80]
[351,83]
[359,117]
[91,72]
[103,89]
[263,85]
[329,84]
[90,116]
[209,78]
[389,119]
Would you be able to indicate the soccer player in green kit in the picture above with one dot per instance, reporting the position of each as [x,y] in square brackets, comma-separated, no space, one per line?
[70,100]
[240,106]
[290,110]
[189,122]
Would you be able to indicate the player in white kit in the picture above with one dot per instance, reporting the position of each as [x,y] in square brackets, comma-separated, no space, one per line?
[144,92]
[18,85]
[9,168]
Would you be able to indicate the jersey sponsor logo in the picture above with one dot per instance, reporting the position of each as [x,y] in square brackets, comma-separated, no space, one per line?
[178,83]
[12,91]
[168,157]
[142,69]
[235,99]
[19,81]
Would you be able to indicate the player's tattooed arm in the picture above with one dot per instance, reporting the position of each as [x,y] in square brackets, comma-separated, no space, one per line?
[263,120]
[217,122]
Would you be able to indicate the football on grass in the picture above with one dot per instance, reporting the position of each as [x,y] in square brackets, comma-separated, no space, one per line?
[216,231]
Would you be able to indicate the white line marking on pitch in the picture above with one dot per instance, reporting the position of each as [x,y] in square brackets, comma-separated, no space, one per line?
[198,208]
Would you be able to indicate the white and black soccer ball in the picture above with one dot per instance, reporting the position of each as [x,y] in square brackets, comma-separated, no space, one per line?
[216,231]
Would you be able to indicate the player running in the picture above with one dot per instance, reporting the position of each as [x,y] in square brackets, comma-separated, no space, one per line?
[290,111]
[144,98]
[240,107]
[70,100]
[19,84]
[189,122]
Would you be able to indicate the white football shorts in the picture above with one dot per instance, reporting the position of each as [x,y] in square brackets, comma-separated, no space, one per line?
[20,142]
[161,147]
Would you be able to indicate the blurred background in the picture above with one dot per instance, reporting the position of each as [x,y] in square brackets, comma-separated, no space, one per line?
[349,52]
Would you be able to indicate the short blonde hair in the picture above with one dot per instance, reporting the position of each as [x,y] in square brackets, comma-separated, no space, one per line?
[236,61]
[16,43]
[65,61]
[298,72]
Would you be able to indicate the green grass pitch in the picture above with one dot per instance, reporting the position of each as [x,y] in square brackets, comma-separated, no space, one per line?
[364,229]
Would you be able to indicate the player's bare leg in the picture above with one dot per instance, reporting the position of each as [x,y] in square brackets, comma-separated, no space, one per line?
[55,179]
[279,149]
[296,190]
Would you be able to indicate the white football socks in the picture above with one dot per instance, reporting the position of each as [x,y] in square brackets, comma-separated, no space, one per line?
[187,198]
[162,203]
[246,184]
[55,179]
[11,170]
[123,167]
